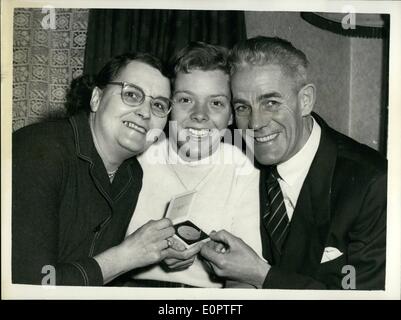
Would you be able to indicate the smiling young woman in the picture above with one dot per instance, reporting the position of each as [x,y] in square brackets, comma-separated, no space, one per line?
[196,159]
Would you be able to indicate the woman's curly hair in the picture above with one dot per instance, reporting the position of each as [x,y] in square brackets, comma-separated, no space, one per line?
[80,92]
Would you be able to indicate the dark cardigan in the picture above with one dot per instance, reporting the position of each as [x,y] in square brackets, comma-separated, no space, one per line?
[64,209]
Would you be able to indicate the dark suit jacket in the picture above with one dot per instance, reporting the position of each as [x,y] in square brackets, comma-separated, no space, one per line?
[64,209]
[342,204]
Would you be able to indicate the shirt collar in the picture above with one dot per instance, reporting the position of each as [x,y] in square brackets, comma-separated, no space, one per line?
[298,165]
[174,158]
[83,136]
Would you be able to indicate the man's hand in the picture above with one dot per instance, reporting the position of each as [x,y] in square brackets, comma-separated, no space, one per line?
[236,261]
[178,257]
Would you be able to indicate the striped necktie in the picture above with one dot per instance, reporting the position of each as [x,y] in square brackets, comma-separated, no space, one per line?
[275,217]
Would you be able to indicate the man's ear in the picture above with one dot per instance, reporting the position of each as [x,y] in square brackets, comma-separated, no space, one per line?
[95,99]
[307,98]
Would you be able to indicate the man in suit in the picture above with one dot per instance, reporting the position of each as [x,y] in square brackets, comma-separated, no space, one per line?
[322,194]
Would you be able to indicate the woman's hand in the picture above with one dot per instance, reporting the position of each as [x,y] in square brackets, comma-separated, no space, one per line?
[145,246]
[178,257]
[148,244]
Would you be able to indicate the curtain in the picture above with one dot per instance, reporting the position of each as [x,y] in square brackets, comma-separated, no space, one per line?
[160,32]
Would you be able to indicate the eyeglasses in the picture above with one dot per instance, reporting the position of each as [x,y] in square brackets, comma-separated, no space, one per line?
[134,96]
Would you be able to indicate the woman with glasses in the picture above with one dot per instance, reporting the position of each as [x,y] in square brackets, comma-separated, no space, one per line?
[76,181]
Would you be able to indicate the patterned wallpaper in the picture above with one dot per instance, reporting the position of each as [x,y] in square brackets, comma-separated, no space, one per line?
[45,62]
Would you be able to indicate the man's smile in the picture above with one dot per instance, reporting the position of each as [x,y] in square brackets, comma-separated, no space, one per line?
[267,138]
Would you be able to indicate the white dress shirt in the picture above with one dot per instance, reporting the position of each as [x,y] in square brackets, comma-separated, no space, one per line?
[294,171]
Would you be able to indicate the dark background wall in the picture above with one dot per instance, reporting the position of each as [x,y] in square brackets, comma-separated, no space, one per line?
[347,71]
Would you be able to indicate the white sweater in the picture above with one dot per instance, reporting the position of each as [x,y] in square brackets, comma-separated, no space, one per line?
[227,198]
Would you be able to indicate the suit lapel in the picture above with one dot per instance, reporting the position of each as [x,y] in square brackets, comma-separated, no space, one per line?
[310,224]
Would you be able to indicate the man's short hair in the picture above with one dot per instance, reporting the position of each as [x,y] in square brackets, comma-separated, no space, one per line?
[261,51]
[199,56]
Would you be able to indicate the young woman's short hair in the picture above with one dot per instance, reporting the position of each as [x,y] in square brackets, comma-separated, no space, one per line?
[199,56]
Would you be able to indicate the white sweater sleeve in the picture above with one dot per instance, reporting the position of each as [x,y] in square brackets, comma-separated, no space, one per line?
[244,204]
